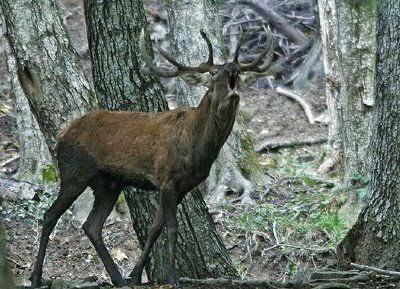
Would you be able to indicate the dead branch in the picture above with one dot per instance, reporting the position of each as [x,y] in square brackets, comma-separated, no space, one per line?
[229,282]
[333,286]
[300,100]
[374,269]
[278,22]
[274,145]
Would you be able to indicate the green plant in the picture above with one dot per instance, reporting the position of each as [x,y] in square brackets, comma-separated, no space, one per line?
[50,174]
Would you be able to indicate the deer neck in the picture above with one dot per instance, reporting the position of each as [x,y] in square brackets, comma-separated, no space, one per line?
[215,123]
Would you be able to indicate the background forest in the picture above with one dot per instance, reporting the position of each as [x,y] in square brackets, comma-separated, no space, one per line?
[304,193]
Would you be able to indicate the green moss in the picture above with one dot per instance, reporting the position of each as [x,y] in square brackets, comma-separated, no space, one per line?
[248,161]
[50,174]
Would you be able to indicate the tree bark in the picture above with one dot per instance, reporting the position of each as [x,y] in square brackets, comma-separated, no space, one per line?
[348,35]
[6,280]
[33,150]
[186,18]
[375,238]
[49,71]
[329,34]
[114,28]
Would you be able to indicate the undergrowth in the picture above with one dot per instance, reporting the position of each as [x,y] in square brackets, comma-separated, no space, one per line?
[295,224]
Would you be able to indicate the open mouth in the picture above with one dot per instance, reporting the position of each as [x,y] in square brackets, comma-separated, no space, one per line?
[232,82]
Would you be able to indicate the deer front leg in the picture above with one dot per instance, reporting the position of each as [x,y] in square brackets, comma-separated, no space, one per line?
[154,233]
[169,206]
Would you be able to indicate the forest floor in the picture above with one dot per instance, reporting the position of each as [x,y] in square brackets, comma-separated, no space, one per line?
[287,235]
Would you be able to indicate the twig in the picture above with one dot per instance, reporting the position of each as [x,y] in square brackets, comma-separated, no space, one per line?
[275,232]
[3,164]
[374,269]
[300,100]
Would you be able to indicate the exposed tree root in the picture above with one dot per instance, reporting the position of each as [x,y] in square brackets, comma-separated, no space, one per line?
[305,106]
[374,269]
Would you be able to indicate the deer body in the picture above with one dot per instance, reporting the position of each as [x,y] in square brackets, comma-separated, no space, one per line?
[169,151]
[146,150]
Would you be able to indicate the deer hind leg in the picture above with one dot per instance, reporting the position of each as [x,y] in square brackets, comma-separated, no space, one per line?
[102,207]
[69,192]
[154,233]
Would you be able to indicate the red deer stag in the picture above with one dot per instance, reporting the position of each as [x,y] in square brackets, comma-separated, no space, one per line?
[170,151]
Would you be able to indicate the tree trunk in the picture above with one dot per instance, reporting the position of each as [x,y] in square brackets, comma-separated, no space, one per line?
[49,71]
[186,18]
[375,238]
[348,35]
[34,153]
[329,34]
[6,281]
[114,28]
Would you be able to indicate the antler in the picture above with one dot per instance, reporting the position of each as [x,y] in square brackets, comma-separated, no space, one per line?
[259,64]
[180,68]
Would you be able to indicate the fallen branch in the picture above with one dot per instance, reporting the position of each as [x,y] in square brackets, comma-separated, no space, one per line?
[229,282]
[300,100]
[374,269]
[333,286]
[274,145]
[15,158]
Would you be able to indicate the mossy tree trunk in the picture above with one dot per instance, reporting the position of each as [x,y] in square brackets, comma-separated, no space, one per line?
[375,238]
[186,18]
[114,28]
[349,42]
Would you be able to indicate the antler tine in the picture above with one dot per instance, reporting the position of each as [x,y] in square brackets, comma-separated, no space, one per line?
[210,60]
[168,56]
[146,57]
[238,45]
[202,68]
[253,66]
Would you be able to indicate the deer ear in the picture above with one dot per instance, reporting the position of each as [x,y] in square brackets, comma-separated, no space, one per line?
[197,79]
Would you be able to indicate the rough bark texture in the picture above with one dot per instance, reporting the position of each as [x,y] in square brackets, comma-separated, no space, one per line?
[329,34]
[375,238]
[348,35]
[34,154]
[357,46]
[6,281]
[113,29]
[186,18]
[49,71]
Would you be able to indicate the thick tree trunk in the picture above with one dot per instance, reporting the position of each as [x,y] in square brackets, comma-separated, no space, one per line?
[6,281]
[348,35]
[34,154]
[49,71]
[375,238]
[357,48]
[113,29]
[186,18]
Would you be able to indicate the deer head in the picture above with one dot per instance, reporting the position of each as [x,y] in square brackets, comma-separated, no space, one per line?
[221,79]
